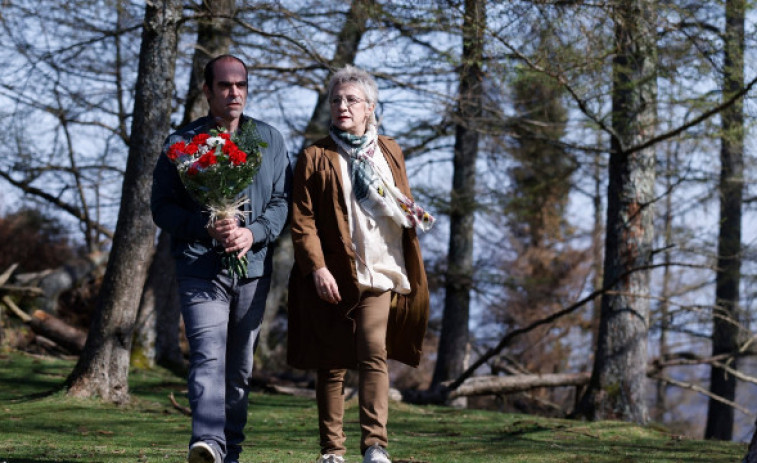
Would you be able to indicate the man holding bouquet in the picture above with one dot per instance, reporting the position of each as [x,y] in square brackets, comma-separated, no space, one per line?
[222,225]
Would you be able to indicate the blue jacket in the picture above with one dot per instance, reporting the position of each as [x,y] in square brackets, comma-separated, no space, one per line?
[175,212]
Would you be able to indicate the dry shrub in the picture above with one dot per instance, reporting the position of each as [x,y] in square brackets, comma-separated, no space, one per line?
[35,241]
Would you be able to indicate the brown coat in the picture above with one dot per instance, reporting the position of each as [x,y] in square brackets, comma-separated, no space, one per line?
[322,335]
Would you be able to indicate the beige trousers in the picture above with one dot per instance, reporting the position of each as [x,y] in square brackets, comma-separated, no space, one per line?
[371,317]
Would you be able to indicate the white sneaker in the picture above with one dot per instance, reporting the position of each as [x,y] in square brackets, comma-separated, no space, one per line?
[202,452]
[376,454]
[330,458]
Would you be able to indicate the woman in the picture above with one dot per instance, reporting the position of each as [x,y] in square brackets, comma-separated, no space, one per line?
[358,292]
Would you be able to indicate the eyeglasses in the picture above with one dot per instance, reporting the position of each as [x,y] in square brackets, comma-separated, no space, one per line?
[350,100]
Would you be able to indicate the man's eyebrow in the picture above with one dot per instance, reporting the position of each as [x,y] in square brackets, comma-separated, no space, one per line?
[238,83]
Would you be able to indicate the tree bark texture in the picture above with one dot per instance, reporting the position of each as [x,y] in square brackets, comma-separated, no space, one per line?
[725,322]
[617,386]
[213,39]
[103,367]
[453,341]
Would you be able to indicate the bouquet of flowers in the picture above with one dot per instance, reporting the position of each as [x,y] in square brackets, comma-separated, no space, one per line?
[214,168]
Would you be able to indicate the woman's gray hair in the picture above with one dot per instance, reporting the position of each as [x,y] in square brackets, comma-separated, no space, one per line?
[356,76]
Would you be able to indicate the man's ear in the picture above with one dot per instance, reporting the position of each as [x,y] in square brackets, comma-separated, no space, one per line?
[206,91]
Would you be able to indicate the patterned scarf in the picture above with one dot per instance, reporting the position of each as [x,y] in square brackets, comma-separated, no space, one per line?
[376,194]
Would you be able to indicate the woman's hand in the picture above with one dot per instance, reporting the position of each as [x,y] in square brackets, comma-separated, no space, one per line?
[325,286]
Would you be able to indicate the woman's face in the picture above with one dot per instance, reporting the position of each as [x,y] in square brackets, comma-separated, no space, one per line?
[349,109]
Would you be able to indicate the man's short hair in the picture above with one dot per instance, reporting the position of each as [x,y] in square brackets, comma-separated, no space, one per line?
[209,72]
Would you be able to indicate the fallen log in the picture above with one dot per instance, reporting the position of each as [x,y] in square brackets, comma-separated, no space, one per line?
[70,338]
[487,385]
[56,330]
[493,385]
[293,391]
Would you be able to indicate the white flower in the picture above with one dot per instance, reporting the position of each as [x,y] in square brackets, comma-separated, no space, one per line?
[215,141]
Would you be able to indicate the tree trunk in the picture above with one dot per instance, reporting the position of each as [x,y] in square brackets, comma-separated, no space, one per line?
[453,341]
[596,253]
[159,309]
[725,321]
[168,329]
[159,312]
[103,367]
[617,386]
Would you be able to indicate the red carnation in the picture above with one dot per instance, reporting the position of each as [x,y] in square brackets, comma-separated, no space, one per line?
[207,159]
[237,156]
[193,170]
[191,149]
[229,147]
[200,138]
[176,150]
[225,135]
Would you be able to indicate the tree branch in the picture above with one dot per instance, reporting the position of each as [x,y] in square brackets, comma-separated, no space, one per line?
[72,210]
[701,390]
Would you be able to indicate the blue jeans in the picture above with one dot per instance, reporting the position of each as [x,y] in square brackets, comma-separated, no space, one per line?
[222,318]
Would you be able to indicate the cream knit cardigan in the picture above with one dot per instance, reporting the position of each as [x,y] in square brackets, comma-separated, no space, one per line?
[377,242]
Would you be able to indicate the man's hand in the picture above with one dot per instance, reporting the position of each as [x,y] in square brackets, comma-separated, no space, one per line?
[326,286]
[231,236]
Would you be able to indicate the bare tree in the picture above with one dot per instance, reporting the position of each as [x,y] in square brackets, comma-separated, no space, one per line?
[80,95]
[725,320]
[454,337]
[103,367]
[543,271]
[617,387]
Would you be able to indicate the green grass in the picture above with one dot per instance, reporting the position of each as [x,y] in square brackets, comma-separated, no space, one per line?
[38,427]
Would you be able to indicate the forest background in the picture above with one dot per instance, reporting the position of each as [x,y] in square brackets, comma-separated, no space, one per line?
[590,165]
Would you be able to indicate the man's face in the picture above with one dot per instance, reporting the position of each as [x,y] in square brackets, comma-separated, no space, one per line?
[228,95]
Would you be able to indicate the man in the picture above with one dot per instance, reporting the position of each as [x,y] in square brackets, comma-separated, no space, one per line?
[222,312]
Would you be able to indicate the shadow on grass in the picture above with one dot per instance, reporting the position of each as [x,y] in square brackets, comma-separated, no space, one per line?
[28,378]
[36,460]
[42,389]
